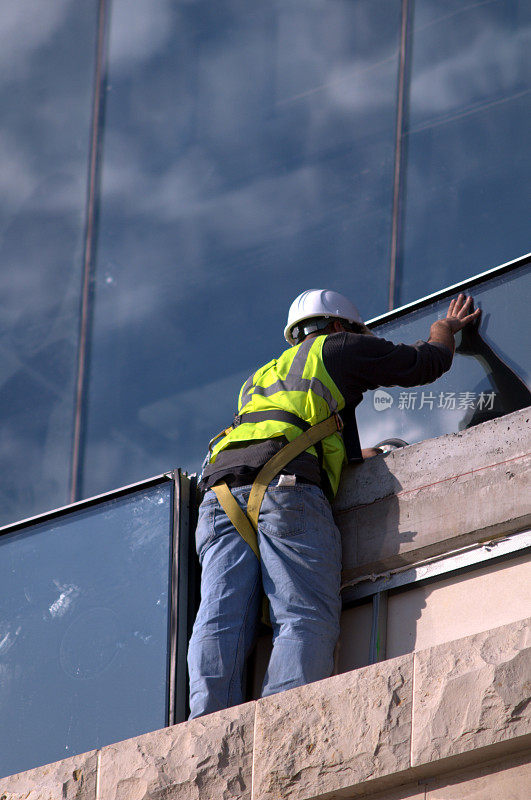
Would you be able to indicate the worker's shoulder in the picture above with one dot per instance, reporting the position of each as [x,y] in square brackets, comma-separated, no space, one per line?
[352,344]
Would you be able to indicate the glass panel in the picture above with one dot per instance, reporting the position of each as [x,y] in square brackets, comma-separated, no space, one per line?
[490,375]
[248,155]
[428,615]
[84,628]
[467,143]
[46,72]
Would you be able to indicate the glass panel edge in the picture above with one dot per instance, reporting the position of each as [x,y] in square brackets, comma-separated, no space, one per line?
[493,272]
[86,502]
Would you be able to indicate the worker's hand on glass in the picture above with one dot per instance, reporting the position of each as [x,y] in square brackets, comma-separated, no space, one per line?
[460,313]
[471,342]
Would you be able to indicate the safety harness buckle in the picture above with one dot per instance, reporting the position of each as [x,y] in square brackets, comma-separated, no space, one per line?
[220,435]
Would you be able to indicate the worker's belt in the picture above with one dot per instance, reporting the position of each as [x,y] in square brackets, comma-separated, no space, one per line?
[273,414]
[246,522]
[261,416]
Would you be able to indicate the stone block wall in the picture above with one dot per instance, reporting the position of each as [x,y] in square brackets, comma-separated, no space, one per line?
[448,722]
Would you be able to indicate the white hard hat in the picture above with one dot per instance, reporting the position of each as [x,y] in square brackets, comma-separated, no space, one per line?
[320,303]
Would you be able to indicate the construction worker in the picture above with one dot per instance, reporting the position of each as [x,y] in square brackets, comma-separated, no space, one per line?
[265,524]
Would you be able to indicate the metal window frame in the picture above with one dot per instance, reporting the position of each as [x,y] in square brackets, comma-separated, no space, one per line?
[401,145]
[462,286]
[184,592]
[378,589]
[89,245]
[182,572]
[79,505]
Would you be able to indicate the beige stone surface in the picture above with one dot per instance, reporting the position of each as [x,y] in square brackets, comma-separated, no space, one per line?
[493,595]
[398,730]
[409,791]
[471,693]
[506,779]
[416,524]
[324,739]
[443,457]
[71,779]
[205,759]
[393,510]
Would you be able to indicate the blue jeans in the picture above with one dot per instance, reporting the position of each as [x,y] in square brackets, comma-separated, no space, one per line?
[299,571]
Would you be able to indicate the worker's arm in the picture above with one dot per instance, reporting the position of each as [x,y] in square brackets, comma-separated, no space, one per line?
[458,315]
[358,362]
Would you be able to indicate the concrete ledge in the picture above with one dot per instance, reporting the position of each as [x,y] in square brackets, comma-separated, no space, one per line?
[436,496]
[507,778]
[325,738]
[381,732]
[468,702]
[71,779]
[471,693]
[202,759]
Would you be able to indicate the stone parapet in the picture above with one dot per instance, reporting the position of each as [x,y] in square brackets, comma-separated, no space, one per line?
[72,778]
[471,693]
[506,778]
[433,497]
[210,757]
[400,729]
[332,735]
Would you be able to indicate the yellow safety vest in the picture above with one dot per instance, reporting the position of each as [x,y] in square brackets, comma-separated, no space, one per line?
[297,386]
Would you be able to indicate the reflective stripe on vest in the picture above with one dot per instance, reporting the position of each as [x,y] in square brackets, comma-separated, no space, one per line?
[296,382]
[293,382]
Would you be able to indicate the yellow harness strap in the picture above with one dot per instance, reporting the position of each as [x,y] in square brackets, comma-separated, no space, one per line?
[246,523]
[239,518]
[272,467]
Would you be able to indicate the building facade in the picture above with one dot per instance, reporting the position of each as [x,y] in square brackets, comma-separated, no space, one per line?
[174,173]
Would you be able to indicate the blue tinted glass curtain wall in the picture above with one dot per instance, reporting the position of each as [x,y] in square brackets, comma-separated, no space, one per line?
[175,173]
[248,153]
[84,628]
[47,64]
[490,375]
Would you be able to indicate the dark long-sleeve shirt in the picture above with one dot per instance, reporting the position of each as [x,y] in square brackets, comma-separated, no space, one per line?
[356,363]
